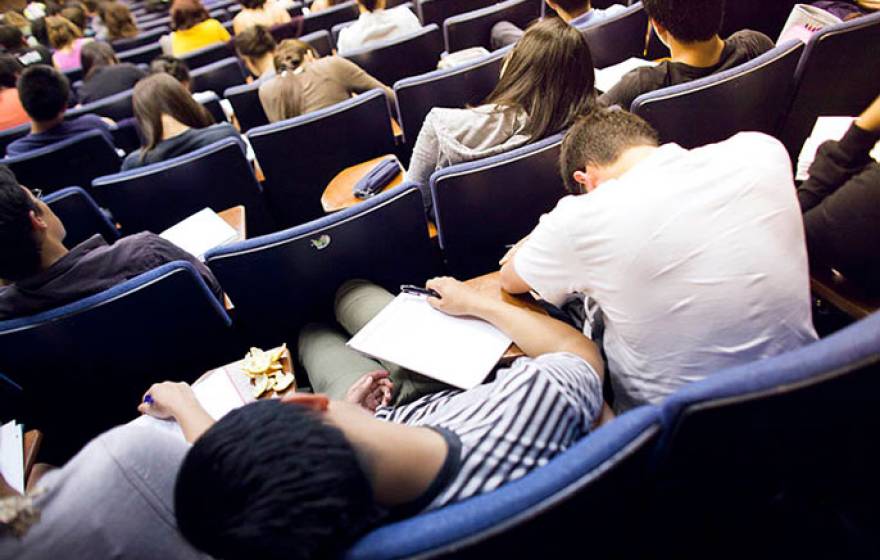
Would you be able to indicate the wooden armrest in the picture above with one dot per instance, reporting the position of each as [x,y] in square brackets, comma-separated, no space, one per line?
[833,287]
[33,439]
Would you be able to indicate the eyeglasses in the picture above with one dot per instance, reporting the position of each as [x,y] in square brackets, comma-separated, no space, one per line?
[38,193]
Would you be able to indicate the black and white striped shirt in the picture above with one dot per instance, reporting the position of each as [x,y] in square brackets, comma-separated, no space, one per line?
[533,411]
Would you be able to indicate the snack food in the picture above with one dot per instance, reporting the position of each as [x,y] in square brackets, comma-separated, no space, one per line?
[266,371]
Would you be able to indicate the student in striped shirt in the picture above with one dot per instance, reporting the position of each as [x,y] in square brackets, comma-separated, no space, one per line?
[305,477]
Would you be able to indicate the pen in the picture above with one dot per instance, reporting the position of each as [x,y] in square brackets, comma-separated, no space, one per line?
[419,291]
[148,399]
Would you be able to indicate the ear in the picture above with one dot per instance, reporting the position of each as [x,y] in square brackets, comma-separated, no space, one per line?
[584,179]
[318,403]
[660,31]
[37,221]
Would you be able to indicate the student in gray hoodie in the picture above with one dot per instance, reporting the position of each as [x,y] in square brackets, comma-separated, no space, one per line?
[546,83]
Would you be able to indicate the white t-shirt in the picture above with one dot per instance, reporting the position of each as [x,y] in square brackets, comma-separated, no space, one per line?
[380,25]
[696,257]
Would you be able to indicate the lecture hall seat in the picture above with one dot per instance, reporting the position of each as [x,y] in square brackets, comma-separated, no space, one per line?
[81,216]
[408,55]
[437,11]
[326,19]
[10,135]
[140,55]
[474,29]
[116,107]
[142,39]
[218,76]
[617,38]
[749,97]
[206,55]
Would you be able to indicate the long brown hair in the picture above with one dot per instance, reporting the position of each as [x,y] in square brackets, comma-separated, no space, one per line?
[94,55]
[119,21]
[187,13]
[549,75]
[161,94]
[282,96]
[61,31]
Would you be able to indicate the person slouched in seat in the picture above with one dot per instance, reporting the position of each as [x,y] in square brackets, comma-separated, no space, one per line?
[171,121]
[103,74]
[306,83]
[44,274]
[303,477]
[546,83]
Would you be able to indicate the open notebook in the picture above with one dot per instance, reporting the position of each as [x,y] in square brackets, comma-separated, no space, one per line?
[460,351]
[200,233]
[826,128]
[607,78]
[12,455]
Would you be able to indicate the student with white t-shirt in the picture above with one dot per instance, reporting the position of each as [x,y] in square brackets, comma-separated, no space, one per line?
[376,24]
[696,257]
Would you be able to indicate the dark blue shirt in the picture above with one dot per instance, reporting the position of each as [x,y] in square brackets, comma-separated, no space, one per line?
[62,131]
[184,143]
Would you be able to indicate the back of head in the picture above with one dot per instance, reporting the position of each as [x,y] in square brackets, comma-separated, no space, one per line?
[573,6]
[548,74]
[61,31]
[19,249]
[91,6]
[75,14]
[119,21]
[688,21]
[254,42]
[167,64]
[10,69]
[372,5]
[282,96]
[11,37]
[272,480]
[291,53]
[599,139]
[187,13]
[252,4]
[161,94]
[16,20]
[94,55]
[43,91]
[40,32]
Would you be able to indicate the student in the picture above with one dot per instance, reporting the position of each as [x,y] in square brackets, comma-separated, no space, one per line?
[306,83]
[103,74]
[546,83]
[193,28]
[118,21]
[376,24]
[256,47]
[67,40]
[14,42]
[259,12]
[321,5]
[690,29]
[171,121]
[841,203]
[45,275]
[12,113]
[577,13]
[177,69]
[696,258]
[77,16]
[44,92]
[333,469]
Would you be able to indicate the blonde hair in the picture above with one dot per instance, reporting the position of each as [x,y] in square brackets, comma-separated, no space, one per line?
[282,96]
[61,31]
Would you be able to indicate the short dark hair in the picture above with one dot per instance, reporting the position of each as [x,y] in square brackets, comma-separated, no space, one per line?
[273,480]
[187,13]
[95,55]
[11,37]
[10,68]
[40,31]
[167,64]
[573,5]
[599,138]
[254,42]
[369,5]
[43,91]
[19,249]
[687,20]
[252,4]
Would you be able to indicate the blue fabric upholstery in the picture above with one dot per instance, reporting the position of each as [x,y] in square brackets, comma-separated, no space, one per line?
[758,15]
[578,501]
[468,84]
[76,161]
[300,156]
[436,11]
[206,55]
[10,135]
[116,107]
[752,96]
[280,281]
[126,135]
[85,365]
[326,19]
[141,55]
[159,195]
[218,76]
[617,38]
[484,205]
[836,76]
[320,40]
[408,55]
[211,103]
[246,105]
[474,29]
[142,39]
[75,74]
[81,216]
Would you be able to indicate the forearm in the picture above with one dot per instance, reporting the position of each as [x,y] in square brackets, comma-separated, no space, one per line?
[835,164]
[194,421]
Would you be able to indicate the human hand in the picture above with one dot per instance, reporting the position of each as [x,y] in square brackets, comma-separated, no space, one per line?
[371,391]
[870,119]
[169,399]
[456,298]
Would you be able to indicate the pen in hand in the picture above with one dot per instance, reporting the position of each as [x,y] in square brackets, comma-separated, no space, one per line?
[419,291]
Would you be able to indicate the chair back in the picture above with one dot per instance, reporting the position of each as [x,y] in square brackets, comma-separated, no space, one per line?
[76,161]
[617,38]
[767,17]
[836,76]
[300,156]
[218,76]
[483,206]
[246,105]
[436,11]
[468,84]
[82,218]
[154,23]
[592,486]
[159,195]
[76,74]
[326,19]
[142,39]
[408,55]
[384,240]
[10,135]
[211,103]
[474,29]
[117,107]
[141,55]
[206,55]
[752,96]
[320,40]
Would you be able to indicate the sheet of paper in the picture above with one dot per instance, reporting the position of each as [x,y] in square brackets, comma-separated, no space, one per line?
[409,332]
[826,128]
[12,455]
[607,78]
[803,21]
[200,233]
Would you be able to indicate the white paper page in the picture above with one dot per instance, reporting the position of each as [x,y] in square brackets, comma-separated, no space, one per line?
[12,455]
[803,21]
[409,332]
[200,233]
[607,78]
[826,128]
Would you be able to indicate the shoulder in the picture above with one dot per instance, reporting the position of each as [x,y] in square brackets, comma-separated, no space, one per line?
[634,83]
[146,244]
[569,374]
[86,122]
[754,42]
[758,145]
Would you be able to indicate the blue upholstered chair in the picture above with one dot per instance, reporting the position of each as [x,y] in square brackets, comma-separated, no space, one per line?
[437,11]
[154,23]
[84,366]
[617,38]
[320,40]
[140,55]
[836,76]
[752,96]
[142,39]
[758,15]
[82,218]
[76,161]
[10,135]
[589,497]
[474,29]
[116,107]
[384,239]
[206,55]
[485,205]
[408,55]
[300,156]
[326,19]
[218,76]
[211,103]
[159,195]
[246,105]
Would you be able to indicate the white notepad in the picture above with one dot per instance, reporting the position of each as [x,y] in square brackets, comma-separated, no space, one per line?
[12,455]
[826,128]
[607,78]
[460,351]
[200,233]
